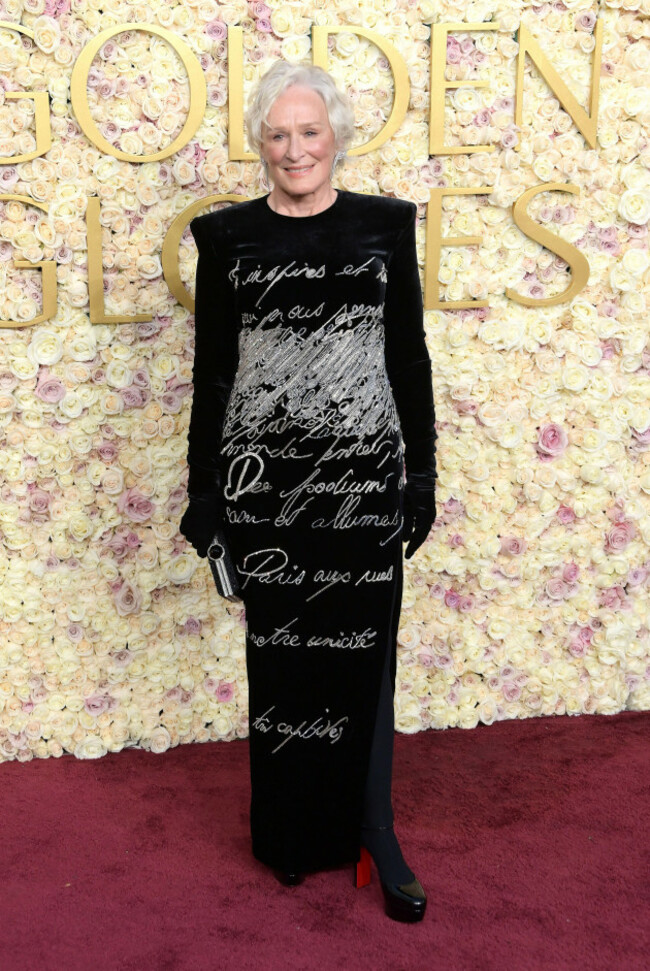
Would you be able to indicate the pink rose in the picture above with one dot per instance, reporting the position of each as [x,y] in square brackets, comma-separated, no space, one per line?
[50,388]
[39,500]
[437,591]
[96,705]
[216,30]
[141,378]
[566,515]
[452,599]
[8,381]
[225,691]
[128,599]
[135,506]
[551,440]
[172,402]
[585,635]
[570,572]
[637,576]
[619,536]
[511,691]
[443,661]
[612,598]
[122,658]
[106,88]
[132,397]
[192,626]
[557,589]
[453,51]
[466,407]
[513,545]
[9,176]
[107,451]
[608,308]
[585,21]
[425,656]
[577,648]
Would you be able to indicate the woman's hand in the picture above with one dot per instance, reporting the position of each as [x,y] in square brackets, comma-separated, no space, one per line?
[419,511]
[200,522]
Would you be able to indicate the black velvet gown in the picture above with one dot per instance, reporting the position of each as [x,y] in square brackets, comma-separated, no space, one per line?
[300,324]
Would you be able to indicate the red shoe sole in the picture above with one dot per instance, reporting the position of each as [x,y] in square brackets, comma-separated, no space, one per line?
[363,869]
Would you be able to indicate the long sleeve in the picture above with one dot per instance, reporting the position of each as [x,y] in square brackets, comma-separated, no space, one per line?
[407,359]
[215,360]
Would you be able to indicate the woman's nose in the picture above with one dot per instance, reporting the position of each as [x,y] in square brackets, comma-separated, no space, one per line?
[294,151]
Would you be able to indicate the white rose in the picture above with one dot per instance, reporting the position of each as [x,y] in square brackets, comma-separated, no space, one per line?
[634,205]
[91,747]
[159,740]
[118,375]
[181,569]
[47,34]
[45,348]
[636,261]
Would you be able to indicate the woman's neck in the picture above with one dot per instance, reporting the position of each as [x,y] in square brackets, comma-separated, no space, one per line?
[307,205]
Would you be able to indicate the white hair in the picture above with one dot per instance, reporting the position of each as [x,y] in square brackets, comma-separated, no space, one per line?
[282,75]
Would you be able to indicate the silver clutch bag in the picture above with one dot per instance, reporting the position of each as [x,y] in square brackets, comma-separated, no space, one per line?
[223,569]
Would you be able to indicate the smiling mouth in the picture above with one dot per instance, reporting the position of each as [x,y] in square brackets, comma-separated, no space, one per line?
[300,171]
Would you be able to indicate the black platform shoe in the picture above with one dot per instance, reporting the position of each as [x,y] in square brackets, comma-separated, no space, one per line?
[405,902]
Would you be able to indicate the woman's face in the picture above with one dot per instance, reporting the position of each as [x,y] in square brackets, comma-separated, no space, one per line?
[298,142]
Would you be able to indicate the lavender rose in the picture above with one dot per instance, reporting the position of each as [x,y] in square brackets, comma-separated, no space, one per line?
[136,506]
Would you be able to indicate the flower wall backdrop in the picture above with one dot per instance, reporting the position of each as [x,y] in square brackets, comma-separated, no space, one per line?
[531,595]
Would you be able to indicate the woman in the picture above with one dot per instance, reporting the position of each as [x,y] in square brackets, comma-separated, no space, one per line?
[310,368]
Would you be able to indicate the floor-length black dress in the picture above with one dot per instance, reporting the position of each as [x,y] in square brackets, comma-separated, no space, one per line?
[300,323]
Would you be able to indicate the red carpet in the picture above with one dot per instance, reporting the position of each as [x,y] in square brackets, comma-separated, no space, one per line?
[530,837]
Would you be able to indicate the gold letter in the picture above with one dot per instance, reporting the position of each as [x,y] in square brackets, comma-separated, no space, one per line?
[98,314]
[41,113]
[398,67]
[49,275]
[435,241]
[173,238]
[586,123]
[236,150]
[571,255]
[79,94]
[439,85]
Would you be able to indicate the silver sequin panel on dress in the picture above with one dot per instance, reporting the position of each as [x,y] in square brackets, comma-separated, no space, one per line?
[333,376]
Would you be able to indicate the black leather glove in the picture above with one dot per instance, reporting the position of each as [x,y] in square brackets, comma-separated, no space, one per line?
[409,371]
[205,510]
[419,512]
[412,390]
[215,364]
[200,521]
